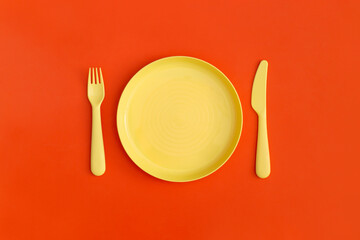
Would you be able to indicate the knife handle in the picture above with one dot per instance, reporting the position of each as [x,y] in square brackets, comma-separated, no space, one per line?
[262,151]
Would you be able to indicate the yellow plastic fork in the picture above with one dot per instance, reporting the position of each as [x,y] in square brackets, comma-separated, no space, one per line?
[96,94]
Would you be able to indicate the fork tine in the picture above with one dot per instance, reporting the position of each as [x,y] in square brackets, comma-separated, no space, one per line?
[93,76]
[101,77]
[89,78]
[97,76]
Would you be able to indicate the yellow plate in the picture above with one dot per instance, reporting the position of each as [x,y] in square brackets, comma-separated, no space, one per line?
[179,119]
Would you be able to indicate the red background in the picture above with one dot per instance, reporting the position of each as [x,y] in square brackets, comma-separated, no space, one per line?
[46,188]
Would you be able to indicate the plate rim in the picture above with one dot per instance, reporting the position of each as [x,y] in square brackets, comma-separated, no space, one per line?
[122,106]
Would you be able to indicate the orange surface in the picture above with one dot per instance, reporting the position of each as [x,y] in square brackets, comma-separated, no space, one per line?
[46,188]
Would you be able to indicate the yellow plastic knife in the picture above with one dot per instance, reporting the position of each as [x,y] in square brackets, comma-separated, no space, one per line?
[258,102]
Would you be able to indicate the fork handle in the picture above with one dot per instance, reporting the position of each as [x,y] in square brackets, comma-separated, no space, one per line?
[97,144]
[262,151]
